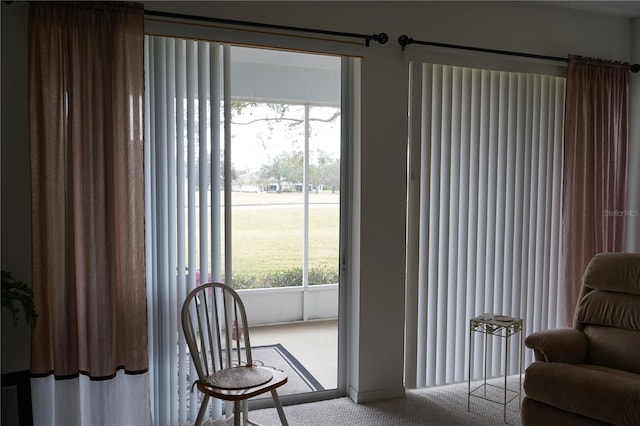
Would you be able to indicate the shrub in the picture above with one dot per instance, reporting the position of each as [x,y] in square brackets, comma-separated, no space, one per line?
[285,278]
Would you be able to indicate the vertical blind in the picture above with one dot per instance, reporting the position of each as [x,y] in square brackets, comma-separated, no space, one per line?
[489,212]
[183,238]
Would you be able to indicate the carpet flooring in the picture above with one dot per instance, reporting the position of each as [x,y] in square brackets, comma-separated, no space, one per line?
[438,406]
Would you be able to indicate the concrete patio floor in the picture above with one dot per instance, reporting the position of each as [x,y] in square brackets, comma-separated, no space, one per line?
[313,343]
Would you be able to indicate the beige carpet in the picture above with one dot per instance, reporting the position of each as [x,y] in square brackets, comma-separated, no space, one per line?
[441,405]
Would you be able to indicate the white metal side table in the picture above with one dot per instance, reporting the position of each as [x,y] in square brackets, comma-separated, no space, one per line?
[504,327]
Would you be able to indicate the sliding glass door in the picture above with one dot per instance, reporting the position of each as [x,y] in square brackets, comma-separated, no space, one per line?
[244,158]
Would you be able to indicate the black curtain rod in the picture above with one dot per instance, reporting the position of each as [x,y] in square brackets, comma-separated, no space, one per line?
[381,38]
[405,40]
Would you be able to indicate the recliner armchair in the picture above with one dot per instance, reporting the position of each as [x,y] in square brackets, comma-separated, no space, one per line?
[590,374]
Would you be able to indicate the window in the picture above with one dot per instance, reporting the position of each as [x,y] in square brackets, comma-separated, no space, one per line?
[285,164]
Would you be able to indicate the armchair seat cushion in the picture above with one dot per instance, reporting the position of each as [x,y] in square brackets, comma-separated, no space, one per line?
[607,394]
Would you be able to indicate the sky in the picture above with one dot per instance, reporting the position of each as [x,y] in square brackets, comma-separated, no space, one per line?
[256,141]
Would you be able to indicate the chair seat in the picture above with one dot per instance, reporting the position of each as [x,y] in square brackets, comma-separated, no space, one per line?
[242,377]
[223,390]
[606,394]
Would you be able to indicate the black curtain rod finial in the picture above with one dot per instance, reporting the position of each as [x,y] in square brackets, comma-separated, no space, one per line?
[404,40]
[635,68]
[381,38]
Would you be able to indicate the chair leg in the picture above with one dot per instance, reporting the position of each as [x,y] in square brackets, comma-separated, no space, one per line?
[245,413]
[276,399]
[236,413]
[203,409]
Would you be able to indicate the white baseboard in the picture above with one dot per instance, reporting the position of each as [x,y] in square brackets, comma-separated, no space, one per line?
[377,395]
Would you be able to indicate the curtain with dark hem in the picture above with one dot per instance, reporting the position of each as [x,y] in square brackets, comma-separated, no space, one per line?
[86,88]
[595,168]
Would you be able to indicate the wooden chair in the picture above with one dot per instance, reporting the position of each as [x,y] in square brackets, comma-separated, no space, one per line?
[215,326]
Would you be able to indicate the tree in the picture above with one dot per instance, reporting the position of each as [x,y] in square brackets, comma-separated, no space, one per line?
[325,170]
[284,129]
[285,167]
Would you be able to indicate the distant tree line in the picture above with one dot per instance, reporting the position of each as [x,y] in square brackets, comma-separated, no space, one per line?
[288,167]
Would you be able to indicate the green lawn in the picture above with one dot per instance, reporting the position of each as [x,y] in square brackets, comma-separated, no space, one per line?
[268,239]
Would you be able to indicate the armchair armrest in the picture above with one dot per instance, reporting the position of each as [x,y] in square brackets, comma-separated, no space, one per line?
[560,345]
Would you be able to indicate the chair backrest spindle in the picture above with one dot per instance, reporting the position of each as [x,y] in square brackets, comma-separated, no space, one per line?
[212,323]
[218,356]
[202,350]
[214,320]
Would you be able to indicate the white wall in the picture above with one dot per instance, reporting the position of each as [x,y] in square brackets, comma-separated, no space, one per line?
[376,346]
[16,182]
[633,182]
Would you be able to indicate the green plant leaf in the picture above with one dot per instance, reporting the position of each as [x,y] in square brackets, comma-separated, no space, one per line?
[17,291]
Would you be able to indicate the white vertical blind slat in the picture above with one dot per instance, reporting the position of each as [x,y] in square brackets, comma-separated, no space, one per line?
[449,196]
[511,249]
[436,233]
[203,157]
[554,275]
[481,236]
[489,211]
[161,219]
[424,326]
[464,251]
[192,78]
[149,215]
[445,292]
[178,224]
[181,91]
[458,214]
[226,91]
[171,300]
[542,225]
[215,96]
[526,278]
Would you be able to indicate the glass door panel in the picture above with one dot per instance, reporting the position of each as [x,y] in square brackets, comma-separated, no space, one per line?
[285,209]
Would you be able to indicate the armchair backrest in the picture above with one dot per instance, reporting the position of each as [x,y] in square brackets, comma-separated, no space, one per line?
[608,310]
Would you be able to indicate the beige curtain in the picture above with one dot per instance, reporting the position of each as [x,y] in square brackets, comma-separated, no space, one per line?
[86,86]
[595,167]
